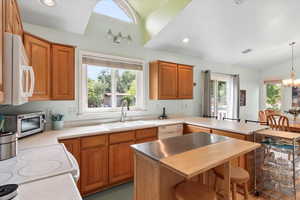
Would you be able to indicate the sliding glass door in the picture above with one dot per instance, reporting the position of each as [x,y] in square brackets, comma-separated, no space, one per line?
[221,96]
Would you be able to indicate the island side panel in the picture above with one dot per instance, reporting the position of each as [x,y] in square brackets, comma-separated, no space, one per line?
[146,178]
[153,181]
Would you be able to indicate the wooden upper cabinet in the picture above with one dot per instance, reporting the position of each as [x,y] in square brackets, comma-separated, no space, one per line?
[39,54]
[63,72]
[2,28]
[167,81]
[170,81]
[9,15]
[185,82]
[17,26]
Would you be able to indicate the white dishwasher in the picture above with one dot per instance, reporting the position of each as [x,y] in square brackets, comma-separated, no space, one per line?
[170,131]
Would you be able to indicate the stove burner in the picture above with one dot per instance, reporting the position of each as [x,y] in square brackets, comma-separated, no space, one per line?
[8,192]
[39,169]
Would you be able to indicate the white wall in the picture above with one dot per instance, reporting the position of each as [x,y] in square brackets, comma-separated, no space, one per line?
[95,40]
[279,72]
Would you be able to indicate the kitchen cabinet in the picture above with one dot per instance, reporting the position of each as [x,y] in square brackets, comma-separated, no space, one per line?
[120,162]
[146,133]
[73,146]
[94,163]
[2,28]
[9,6]
[63,72]
[187,129]
[17,27]
[185,82]
[39,54]
[121,156]
[13,23]
[170,81]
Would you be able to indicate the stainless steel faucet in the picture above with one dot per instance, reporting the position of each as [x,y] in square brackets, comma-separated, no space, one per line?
[123,111]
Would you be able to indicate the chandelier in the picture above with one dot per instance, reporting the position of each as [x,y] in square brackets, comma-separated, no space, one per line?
[292,81]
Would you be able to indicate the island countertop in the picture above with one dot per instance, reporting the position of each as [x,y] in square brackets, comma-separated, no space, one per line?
[161,149]
[193,154]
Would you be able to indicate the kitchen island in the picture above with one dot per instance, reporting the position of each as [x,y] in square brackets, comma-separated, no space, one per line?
[161,165]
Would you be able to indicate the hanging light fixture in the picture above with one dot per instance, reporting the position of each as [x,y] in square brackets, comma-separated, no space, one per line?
[292,81]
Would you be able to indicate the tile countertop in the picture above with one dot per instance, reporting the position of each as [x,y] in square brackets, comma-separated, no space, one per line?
[51,137]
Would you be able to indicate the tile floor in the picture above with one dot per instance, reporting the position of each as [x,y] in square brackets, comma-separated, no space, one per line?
[125,192]
[122,192]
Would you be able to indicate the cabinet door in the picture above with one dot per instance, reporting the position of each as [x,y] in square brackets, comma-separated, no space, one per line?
[185,82]
[168,85]
[146,140]
[73,146]
[63,72]
[9,7]
[39,52]
[94,168]
[17,27]
[2,27]
[120,162]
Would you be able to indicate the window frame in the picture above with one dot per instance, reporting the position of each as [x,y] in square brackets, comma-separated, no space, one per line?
[125,6]
[83,91]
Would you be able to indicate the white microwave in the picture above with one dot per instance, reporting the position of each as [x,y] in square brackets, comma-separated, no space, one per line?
[18,76]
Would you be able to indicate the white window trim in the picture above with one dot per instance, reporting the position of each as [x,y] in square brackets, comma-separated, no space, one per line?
[82,102]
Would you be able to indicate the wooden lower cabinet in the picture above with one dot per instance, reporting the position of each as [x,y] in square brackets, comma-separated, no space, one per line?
[195,129]
[120,162]
[94,168]
[146,140]
[73,146]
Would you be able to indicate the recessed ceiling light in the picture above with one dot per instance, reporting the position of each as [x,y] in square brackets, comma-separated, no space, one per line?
[49,3]
[186,40]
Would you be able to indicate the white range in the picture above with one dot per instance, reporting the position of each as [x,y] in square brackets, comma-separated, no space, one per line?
[35,164]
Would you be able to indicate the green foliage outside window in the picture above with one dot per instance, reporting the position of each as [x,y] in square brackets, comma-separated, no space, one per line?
[100,89]
[273,100]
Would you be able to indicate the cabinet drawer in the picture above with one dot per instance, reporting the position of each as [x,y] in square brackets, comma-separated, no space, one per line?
[146,133]
[93,141]
[146,140]
[121,137]
[195,129]
[229,134]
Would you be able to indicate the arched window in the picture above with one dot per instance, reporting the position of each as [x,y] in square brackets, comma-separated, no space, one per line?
[118,9]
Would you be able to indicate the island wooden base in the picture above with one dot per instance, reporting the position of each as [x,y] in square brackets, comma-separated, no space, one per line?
[154,181]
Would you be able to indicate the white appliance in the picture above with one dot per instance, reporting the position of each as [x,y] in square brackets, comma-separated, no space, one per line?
[18,76]
[38,163]
[170,131]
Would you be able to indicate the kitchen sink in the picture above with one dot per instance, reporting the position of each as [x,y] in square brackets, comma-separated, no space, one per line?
[128,125]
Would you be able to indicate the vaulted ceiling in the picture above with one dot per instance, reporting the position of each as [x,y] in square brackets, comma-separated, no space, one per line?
[219,30]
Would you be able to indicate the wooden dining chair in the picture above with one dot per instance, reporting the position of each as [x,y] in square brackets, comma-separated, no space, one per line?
[270,112]
[278,122]
[262,117]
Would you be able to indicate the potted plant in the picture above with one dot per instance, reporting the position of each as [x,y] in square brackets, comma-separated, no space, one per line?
[57,121]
